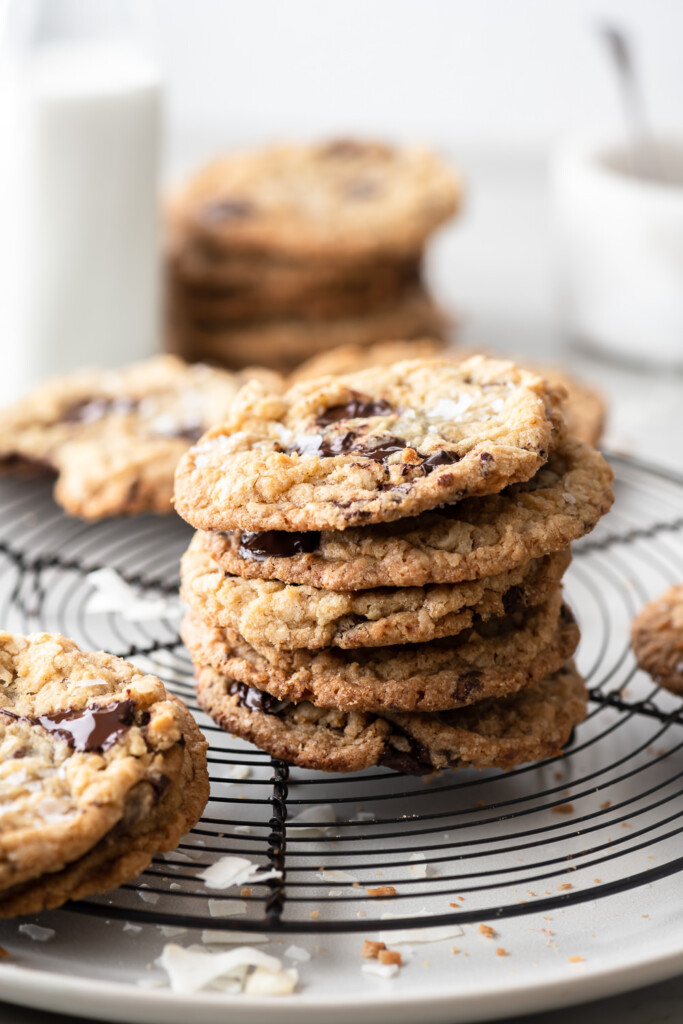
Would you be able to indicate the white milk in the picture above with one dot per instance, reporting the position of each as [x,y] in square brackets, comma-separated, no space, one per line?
[79,194]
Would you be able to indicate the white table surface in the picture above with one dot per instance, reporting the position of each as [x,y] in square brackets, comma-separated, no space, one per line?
[497,266]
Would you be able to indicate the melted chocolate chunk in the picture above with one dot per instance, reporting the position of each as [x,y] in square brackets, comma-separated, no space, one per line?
[95,728]
[218,210]
[441,458]
[90,410]
[255,700]
[485,459]
[415,761]
[256,547]
[346,444]
[356,408]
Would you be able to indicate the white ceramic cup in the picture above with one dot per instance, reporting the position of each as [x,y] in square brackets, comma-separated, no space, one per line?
[620,234]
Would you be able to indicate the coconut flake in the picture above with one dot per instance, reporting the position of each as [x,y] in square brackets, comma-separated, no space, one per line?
[227,908]
[148,897]
[297,953]
[111,593]
[267,983]
[37,932]
[379,970]
[190,970]
[243,830]
[406,936]
[169,931]
[336,892]
[335,876]
[229,871]
[130,927]
[240,771]
[323,816]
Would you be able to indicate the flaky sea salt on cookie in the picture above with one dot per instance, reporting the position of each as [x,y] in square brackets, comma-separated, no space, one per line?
[100,768]
[369,447]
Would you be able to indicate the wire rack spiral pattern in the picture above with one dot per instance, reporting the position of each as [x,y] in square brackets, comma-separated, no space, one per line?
[604,818]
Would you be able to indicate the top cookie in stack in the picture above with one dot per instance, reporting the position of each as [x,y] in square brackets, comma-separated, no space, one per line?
[377,573]
[281,253]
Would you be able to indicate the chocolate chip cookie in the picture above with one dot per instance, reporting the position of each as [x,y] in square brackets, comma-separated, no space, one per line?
[467,540]
[584,408]
[657,638]
[100,769]
[292,616]
[492,659]
[341,200]
[369,447]
[114,437]
[282,342]
[529,726]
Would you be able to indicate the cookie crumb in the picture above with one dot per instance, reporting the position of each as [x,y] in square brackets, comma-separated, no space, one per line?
[389,956]
[575,959]
[246,891]
[3,953]
[597,881]
[455,950]
[314,914]
[487,930]
[371,949]
[565,885]
[607,803]
[501,951]
[563,809]
[381,892]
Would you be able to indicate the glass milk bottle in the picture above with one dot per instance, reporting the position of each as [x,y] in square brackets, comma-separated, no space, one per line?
[80,133]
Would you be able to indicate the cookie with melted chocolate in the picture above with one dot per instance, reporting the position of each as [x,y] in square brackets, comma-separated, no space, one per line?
[113,438]
[468,540]
[529,726]
[433,432]
[291,616]
[100,769]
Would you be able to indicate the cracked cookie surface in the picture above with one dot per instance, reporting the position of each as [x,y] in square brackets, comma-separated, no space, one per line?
[529,726]
[493,659]
[369,447]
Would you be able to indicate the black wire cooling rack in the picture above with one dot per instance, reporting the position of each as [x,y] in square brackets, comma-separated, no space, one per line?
[602,819]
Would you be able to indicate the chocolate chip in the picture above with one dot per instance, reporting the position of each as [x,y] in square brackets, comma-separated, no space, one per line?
[90,410]
[442,458]
[95,728]
[256,547]
[484,459]
[357,407]
[415,761]
[220,210]
[346,444]
[190,433]
[255,700]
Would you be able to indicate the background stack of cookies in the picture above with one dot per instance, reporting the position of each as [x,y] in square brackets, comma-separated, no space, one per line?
[278,254]
[376,576]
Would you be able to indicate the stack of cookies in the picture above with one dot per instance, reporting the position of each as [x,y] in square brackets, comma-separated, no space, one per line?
[278,254]
[376,576]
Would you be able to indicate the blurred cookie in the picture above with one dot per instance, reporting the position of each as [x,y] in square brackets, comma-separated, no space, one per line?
[282,343]
[114,437]
[100,769]
[339,201]
[657,638]
[529,726]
